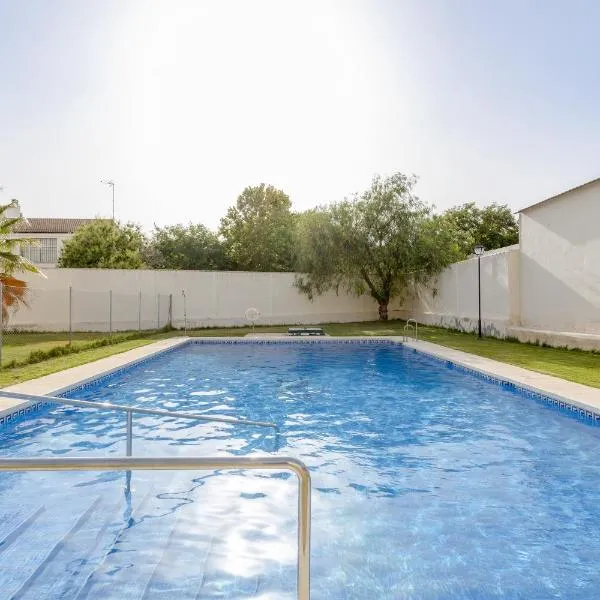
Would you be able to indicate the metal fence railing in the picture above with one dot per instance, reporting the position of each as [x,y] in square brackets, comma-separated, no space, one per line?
[36,321]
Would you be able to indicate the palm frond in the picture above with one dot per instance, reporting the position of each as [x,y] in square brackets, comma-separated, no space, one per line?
[14,294]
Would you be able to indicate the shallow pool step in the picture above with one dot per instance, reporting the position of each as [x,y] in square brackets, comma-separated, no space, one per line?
[84,584]
[180,570]
[201,560]
[35,545]
[69,565]
[14,521]
[132,558]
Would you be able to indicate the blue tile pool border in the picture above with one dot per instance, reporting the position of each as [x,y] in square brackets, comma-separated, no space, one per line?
[22,413]
[76,387]
[539,397]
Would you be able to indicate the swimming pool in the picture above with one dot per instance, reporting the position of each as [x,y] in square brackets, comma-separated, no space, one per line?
[428,483]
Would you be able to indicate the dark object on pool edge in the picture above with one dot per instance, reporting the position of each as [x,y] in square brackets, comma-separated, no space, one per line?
[305,331]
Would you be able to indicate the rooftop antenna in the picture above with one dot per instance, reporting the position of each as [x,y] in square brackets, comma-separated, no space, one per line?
[111,183]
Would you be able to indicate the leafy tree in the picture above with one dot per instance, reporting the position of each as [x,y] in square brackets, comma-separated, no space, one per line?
[14,291]
[493,227]
[192,247]
[258,231]
[380,242]
[104,244]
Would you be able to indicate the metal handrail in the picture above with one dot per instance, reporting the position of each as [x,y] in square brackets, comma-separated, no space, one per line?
[190,464]
[135,409]
[132,409]
[415,327]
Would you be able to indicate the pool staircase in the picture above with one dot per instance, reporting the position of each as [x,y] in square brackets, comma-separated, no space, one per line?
[100,547]
[125,545]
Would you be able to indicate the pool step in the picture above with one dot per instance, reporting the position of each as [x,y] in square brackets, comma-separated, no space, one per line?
[86,583]
[69,565]
[30,550]
[13,522]
[132,558]
[197,560]
[180,569]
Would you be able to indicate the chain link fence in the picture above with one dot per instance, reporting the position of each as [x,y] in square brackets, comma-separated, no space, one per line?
[35,322]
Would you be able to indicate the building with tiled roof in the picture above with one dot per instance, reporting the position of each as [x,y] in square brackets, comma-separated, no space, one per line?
[50,225]
[50,235]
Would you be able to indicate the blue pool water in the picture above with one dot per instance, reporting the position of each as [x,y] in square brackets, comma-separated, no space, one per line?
[428,484]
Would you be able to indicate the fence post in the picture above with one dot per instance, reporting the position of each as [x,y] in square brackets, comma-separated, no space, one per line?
[139,311]
[158,311]
[184,312]
[70,315]
[1,320]
[110,313]
[170,311]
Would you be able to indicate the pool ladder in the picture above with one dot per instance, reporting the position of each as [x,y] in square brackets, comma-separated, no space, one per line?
[414,325]
[192,463]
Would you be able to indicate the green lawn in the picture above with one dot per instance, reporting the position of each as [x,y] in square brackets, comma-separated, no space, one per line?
[18,346]
[581,367]
[52,365]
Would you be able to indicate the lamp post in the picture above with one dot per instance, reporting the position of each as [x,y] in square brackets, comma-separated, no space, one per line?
[479,250]
[111,183]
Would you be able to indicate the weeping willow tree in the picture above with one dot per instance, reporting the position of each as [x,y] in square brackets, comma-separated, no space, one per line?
[382,242]
[14,290]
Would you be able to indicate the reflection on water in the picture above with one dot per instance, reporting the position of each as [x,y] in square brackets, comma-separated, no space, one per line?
[427,483]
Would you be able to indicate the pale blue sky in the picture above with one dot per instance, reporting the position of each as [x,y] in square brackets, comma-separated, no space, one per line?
[185,102]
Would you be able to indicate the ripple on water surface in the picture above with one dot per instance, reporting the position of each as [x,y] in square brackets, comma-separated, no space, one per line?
[427,483]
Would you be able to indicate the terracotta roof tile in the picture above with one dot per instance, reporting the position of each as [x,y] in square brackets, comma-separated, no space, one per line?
[43,225]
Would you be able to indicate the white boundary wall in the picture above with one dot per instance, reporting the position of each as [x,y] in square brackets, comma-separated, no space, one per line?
[213,298]
[218,298]
[451,300]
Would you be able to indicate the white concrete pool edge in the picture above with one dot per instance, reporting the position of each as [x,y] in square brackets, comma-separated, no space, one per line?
[62,381]
[582,396]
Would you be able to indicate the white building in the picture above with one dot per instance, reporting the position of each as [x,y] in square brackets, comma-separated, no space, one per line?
[560,262]
[50,235]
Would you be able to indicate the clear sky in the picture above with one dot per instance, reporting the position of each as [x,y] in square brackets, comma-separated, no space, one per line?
[184,103]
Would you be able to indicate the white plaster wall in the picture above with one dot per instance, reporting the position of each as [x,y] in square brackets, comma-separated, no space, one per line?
[560,263]
[213,298]
[451,299]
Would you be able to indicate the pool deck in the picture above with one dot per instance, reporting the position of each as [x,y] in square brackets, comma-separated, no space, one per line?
[582,396]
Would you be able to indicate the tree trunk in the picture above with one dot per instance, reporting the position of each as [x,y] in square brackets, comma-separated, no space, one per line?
[383,311]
